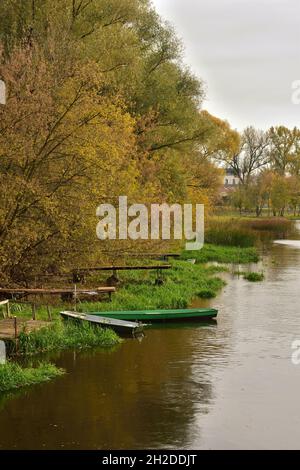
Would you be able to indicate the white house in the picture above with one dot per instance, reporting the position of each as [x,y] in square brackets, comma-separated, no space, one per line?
[230,178]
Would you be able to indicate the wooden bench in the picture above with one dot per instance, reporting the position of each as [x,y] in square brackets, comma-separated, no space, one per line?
[154,256]
[80,274]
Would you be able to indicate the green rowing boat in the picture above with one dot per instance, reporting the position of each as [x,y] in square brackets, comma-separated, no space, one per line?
[195,314]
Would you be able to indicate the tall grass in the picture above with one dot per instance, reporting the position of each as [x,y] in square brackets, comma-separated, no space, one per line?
[65,335]
[244,232]
[229,232]
[274,224]
[13,376]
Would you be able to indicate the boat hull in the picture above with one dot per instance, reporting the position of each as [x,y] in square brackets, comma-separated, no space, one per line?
[122,327]
[155,316]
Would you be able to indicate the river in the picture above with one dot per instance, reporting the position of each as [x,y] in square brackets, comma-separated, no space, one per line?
[227,385]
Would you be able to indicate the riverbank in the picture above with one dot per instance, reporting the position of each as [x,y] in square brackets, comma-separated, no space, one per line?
[224,254]
[181,285]
[59,336]
[65,335]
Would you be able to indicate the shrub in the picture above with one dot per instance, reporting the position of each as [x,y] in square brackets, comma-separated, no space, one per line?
[13,376]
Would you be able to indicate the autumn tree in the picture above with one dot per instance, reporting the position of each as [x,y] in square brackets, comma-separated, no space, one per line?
[53,172]
[100,104]
[251,155]
[284,144]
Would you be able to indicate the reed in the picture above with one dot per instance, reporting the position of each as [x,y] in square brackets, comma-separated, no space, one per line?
[274,224]
[229,232]
[65,335]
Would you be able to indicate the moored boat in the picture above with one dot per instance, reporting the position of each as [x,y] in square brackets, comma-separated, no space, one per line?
[122,327]
[153,316]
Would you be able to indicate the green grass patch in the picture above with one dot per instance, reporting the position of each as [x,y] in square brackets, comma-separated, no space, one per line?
[13,376]
[182,285]
[254,277]
[65,335]
[223,254]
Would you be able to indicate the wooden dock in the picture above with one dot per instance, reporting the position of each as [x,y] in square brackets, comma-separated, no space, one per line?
[10,328]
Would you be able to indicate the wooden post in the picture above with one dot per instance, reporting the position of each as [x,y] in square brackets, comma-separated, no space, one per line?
[33,311]
[16,333]
[75,297]
[16,327]
[8,310]
[49,313]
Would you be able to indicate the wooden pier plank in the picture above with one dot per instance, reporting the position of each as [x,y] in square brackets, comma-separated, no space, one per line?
[23,290]
[124,268]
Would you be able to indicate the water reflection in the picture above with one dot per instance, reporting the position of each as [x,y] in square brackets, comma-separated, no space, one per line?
[141,395]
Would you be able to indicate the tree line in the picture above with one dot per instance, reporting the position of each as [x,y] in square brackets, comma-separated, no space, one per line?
[100,104]
[267,165]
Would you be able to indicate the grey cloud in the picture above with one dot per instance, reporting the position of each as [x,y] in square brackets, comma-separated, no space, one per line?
[248,53]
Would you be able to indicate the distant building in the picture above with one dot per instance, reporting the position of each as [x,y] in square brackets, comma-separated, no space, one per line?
[230,178]
[230,183]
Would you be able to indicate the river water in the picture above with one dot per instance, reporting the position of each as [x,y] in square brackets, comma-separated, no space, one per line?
[226,385]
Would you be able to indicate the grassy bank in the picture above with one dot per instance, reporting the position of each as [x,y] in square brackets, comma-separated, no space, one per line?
[182,284]
[65,335]
[223,254]
[13,376]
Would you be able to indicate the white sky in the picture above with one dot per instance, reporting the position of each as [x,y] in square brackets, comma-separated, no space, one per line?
[246,51]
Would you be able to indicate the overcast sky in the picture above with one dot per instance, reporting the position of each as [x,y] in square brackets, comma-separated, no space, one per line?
[247,52]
